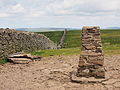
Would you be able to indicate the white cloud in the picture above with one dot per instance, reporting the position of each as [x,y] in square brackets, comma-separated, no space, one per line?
[35,13]
[9,8]
[2,15]
[83,7]
[18,8]
[60,12]
[62,7]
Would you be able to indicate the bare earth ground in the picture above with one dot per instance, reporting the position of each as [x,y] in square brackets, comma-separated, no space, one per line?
[53,73]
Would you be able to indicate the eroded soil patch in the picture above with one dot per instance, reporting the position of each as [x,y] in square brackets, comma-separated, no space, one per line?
[53,73]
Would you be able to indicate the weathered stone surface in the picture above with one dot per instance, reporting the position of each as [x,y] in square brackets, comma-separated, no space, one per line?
[22,58]
[84,80]
[19,55]
[12,41]
[96,62]
[92,59]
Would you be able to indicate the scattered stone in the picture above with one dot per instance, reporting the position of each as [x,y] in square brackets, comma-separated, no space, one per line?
[22,58]
[36,75]
[110,82]
[19,55]
[85,80]
[117,84]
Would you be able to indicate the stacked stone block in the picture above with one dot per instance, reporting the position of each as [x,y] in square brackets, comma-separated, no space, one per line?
[92,58]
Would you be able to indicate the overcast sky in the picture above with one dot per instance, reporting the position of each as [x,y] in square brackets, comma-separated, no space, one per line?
[59,13]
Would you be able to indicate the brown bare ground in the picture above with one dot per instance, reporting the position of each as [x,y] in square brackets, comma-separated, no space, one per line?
[53,73]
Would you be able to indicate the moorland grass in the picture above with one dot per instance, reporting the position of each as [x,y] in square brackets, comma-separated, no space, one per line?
[52,52]
[3,61]
[109,38]
[110,41]
[73,39]
[55,36]
[71,51]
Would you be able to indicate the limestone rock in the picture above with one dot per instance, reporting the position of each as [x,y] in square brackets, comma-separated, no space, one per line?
[22,58]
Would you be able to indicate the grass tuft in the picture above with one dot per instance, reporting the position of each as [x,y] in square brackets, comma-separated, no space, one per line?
[68,51]
[3,61]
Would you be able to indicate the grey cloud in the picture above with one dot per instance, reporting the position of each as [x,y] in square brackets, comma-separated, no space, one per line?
[63,12]
[88,7]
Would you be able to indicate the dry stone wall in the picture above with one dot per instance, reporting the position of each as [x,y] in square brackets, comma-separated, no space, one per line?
[92,58]
[12,41]
[61,43]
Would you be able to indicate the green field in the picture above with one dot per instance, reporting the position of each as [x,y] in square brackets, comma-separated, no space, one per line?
[52,52]
[109,38]
[55,36]
[110,41]
[73,39]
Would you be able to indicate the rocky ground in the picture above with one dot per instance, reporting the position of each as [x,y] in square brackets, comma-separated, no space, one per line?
[53,73]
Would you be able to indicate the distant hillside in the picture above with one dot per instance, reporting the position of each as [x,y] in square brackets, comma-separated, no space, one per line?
[113,28]
[40,29]
[110,38]
[45,29]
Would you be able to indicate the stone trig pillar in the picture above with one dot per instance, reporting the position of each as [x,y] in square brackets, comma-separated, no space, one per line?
[90,68]
[91,59]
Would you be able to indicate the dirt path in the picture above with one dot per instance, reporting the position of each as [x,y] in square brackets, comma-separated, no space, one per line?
[52,73]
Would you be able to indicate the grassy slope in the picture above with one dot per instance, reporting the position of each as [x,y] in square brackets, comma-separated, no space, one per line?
[65,51]
[73,39]
[110,41]
[55,36]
